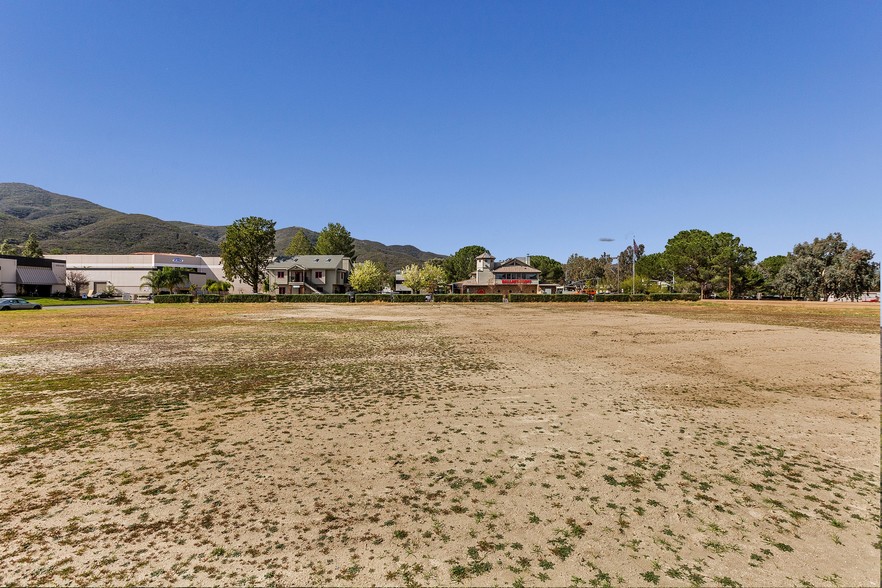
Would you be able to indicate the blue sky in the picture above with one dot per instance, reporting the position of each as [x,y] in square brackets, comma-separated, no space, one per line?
[526,127]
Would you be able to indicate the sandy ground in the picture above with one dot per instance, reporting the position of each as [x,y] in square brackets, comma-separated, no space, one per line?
[435,445]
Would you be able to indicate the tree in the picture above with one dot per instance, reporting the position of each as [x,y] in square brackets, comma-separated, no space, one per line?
[367,276]
[734,261]
[552,270]
[218,286]
[690,254]
[826,267]
[334,239]
[627,258]
[412,278]
[31,247]
[76,280]
[248,248]
[300,245]
[461,264]
[7,248]
[165,278]
[432,276]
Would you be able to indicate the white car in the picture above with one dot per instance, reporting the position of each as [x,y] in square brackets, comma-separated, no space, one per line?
[17,304]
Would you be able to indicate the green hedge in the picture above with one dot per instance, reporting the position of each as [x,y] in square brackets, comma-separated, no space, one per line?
[644,297]
[668,296]
[468,297]
[208,298]
[549,298]
[409,298]
[173,298]
[248,298]
[312,298]
[373,297]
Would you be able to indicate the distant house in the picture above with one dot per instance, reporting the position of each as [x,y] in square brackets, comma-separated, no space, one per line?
[310,274]
[512,276]
[31,276]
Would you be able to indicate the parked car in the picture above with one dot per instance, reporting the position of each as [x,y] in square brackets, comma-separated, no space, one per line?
[17,304]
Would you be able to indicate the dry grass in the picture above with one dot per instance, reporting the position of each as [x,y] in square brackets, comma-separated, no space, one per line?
[429,445]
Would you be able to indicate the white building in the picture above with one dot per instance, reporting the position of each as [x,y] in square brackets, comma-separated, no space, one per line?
[31,276]
[126,272]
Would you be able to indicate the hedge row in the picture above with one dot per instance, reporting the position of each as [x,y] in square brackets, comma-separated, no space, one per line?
[312,298]
[468,297]
[549,298]
[173,298]
[658,297]
[209,298]
[248,298]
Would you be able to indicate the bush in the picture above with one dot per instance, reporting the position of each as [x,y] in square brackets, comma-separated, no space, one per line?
[208,298]
[468,297]
[173,298]
[657,297]
[612,298]
[660,296]
[248,298]
[373,297]
[312,298]
[549,298]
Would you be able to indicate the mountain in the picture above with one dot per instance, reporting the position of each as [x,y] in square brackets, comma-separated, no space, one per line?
[66,224]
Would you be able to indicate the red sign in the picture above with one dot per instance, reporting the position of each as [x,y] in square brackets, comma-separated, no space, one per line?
[517,281]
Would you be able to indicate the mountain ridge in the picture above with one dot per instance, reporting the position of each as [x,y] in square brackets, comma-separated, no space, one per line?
[74,225]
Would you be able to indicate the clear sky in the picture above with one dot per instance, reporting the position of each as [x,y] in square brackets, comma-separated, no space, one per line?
[525,127]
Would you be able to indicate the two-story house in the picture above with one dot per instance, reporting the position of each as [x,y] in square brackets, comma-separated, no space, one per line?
[310,274]
[515,275]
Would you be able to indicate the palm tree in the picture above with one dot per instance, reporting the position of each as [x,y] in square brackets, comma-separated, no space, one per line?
[218,286]
[165,278]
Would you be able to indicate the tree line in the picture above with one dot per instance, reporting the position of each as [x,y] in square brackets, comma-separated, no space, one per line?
[720,265]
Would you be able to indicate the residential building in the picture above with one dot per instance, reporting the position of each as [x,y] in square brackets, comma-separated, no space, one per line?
[125,273]
[31,276]
[513,276]
[310,274]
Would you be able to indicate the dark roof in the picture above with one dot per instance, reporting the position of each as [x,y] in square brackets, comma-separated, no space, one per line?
[32,261]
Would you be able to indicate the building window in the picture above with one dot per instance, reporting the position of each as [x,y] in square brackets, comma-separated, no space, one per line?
[280,274]
[319,275]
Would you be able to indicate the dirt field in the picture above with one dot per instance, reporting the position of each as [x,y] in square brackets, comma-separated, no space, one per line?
[584,445]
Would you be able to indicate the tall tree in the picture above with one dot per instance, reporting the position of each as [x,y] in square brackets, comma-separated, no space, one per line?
[461,264]
[300,245]
[7,248]
[31,247]
[826,267]
[412,278]
[733,262]
[334,239]
[248,248]
[552,270]
[432,276]
[690,254]
[367,276]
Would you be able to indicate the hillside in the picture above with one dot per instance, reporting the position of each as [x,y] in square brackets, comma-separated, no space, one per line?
[74,225]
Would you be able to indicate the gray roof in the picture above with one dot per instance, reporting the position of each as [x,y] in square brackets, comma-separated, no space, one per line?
[307,262]
[38,276]
[485,255]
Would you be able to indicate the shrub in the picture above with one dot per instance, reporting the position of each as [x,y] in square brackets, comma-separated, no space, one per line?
[173,298]
[549,298]
[248,298]
[612,298]
[373,297]
[659,296]
[468,297]
[208,298]
[312,298]
[409,298]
